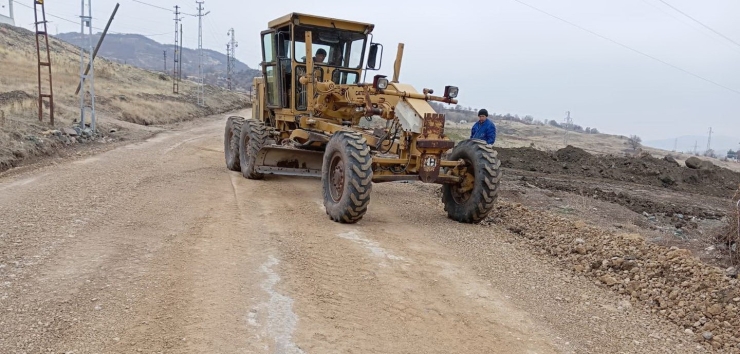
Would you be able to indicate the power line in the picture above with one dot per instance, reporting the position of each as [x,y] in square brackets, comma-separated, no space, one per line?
[97,28]
[146,35]
[47,14]
[148,4]
[699,22]
[162,8]
[688,25]
[629,48]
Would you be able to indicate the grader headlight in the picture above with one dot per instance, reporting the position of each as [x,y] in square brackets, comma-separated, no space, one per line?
[383,84]
[380,82]
[451,91]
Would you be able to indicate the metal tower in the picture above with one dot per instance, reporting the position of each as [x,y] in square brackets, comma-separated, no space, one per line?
[89,78]
[231,57]
[201,93]
[41,31]
[178,42]
[10,19]
[228,66]
[568,124]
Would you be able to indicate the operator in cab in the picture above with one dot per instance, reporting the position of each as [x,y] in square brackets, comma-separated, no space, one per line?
[484,129]
[320,56]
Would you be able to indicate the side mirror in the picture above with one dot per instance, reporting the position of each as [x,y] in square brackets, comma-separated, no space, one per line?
[373,62]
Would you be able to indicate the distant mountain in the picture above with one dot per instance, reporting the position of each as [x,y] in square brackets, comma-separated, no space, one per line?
[143,52]
[720,144]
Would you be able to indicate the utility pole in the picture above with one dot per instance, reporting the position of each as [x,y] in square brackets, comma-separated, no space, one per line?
[228,66]
[231,57]
[41,32]
[165,60]
[201,98]
[709,141]
[696,147]
[10,19]
[89,77]
[176,66]
[179,62]
[568,122]
[12,16]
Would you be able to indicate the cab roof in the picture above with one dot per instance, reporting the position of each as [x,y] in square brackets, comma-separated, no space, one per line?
[311,20]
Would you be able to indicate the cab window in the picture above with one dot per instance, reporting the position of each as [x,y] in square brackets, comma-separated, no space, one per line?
[343,49]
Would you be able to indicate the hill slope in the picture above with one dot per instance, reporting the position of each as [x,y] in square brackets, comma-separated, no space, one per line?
[143,52]
[127,98]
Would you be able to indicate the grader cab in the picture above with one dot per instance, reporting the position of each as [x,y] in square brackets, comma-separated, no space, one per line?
[310,117]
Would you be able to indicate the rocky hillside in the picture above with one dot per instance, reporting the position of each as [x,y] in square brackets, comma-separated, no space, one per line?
[143,52]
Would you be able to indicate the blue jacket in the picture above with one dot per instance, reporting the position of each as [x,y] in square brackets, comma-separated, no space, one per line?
[485,131]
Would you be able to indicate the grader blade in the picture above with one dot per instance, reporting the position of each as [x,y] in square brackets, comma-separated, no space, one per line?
[283,160]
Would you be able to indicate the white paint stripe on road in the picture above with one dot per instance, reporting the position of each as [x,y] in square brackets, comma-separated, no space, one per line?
[281,320]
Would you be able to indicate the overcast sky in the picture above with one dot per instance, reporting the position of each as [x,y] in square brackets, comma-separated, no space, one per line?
[508,57]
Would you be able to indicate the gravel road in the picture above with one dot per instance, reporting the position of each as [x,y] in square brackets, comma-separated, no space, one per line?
[155,247]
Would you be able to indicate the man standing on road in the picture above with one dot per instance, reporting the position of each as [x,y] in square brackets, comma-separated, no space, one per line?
[484,129]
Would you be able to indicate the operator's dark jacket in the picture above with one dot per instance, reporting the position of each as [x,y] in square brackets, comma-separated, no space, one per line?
[485,131]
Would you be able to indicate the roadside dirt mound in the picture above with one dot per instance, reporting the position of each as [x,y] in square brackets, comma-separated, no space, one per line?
[670,282]
[645,170]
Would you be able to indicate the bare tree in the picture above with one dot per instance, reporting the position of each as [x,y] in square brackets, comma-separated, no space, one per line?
[634,142]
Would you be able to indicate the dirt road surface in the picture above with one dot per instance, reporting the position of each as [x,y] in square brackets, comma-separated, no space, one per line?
[155,247]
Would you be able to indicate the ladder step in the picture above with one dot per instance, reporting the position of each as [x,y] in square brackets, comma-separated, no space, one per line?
[39,33]
[40,22]
[45,95]
[44,64]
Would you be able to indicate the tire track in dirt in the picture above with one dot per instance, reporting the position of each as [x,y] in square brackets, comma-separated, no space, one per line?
[354,295]
[153,264]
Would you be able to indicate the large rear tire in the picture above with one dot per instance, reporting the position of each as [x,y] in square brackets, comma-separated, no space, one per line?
[252,138]
[347,177]
[231,142]
[472,200]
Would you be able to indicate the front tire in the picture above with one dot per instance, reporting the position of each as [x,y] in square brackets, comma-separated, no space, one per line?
[472,200]
[231,142]
[252,138]
[347,177]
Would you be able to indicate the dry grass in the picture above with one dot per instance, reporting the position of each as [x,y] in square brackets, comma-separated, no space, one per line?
[123,93]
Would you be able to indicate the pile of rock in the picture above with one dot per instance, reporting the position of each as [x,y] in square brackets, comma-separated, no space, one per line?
[671,282]
[74,135]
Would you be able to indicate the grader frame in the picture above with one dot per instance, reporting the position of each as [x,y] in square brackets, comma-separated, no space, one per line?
[307,121]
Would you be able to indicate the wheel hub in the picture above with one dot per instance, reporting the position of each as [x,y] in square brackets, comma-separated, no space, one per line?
[336,178]
[462,191]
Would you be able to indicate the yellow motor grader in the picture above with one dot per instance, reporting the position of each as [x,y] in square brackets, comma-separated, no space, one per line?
[310,117]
